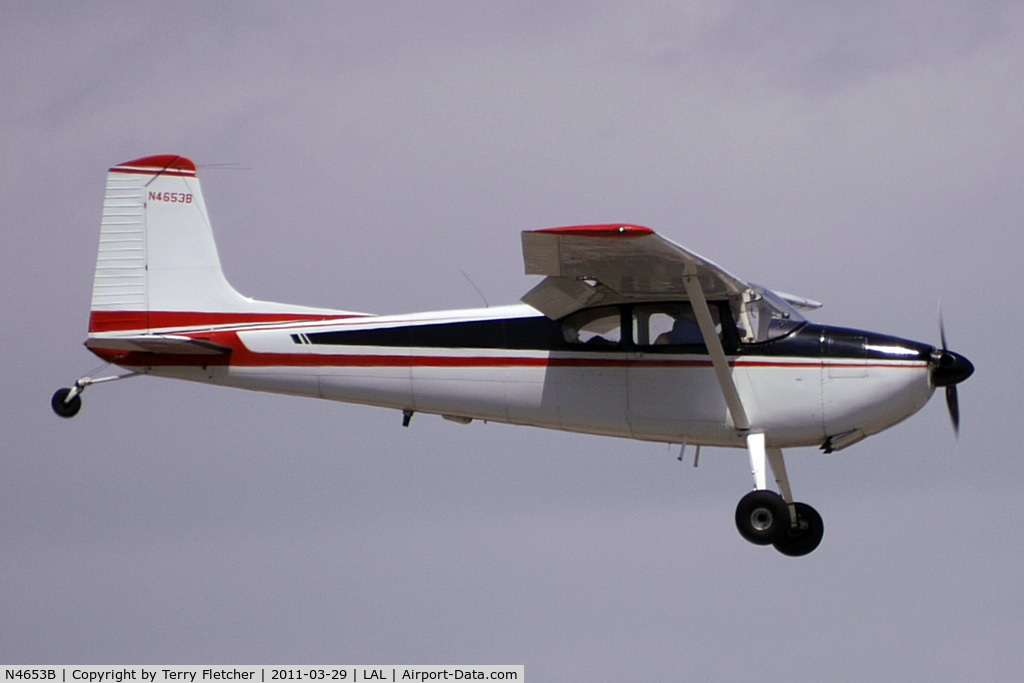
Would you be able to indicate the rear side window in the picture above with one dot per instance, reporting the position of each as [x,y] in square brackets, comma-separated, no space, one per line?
[594,327]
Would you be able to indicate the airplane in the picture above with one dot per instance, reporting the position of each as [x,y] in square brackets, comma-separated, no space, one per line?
[628,335]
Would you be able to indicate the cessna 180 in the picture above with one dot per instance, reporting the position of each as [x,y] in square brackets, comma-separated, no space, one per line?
[627,335]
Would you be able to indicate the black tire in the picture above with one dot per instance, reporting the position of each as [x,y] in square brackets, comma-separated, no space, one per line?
[807,534]
[762,517]
[68,408]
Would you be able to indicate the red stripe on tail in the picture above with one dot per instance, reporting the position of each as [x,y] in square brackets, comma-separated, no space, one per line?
[124,321]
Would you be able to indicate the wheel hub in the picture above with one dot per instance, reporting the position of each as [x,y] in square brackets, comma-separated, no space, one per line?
[761,519]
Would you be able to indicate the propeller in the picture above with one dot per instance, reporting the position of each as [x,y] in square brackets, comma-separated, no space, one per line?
[948,370]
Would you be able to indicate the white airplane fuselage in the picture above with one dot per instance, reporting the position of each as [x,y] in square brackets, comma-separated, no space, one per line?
[799,390]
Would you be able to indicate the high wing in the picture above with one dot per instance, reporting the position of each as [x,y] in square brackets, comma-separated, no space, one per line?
[607,264]
[616,263]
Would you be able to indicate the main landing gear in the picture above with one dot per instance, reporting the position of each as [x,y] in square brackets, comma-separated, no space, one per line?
[764,517]
[67,402]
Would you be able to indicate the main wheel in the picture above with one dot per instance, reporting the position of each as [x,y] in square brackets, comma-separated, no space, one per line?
[805,536]
[63,407]
[762,517]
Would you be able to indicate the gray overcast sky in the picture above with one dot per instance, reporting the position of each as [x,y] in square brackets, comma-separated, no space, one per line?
[869,156]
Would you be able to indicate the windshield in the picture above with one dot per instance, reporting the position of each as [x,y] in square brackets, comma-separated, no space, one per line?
[763,316]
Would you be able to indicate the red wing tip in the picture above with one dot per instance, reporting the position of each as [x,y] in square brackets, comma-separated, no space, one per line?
[161,163]
[607,230]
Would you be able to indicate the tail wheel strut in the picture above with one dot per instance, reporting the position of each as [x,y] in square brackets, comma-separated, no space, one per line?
[67,402]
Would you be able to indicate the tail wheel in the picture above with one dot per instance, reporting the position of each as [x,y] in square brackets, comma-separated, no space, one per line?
[801,539]
[64,407]
[762,517]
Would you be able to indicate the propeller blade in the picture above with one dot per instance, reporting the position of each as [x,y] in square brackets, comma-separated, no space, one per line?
[942,330]
[947,370]
[953,403]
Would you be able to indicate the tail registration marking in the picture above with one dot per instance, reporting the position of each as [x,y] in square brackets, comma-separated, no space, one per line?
[171,197]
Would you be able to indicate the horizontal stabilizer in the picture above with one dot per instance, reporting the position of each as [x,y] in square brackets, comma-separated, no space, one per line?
[158,343]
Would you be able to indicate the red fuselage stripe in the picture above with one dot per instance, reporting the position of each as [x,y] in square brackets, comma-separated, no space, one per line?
[364,361]
[124,321]
[244,358]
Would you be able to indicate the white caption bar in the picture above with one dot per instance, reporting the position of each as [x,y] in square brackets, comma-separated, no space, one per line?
[256,674]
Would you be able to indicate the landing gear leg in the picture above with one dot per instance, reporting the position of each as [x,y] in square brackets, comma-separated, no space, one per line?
[68,401]
[764,517]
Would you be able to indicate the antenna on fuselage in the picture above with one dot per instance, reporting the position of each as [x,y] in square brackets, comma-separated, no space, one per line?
[470,280]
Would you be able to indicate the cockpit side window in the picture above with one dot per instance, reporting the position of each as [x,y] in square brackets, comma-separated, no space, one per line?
[597,327]
[669,324]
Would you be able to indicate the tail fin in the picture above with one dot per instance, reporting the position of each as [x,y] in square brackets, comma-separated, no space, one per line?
[158,267]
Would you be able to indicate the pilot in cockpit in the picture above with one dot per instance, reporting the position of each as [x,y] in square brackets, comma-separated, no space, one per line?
[685,330]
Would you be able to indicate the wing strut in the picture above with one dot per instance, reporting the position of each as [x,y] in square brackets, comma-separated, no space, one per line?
[717,353]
